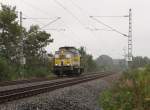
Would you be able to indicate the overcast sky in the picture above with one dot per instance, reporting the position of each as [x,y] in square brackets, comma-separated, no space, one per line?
[77,24]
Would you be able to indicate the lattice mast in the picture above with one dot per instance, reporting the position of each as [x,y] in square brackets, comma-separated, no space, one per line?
[130,46]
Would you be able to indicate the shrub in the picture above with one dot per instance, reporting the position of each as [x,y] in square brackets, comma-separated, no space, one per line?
[132,92]
[4,69]
[37,72]
[10,71]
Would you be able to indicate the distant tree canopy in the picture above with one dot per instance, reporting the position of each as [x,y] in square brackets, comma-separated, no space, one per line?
[104,62]
[140,61]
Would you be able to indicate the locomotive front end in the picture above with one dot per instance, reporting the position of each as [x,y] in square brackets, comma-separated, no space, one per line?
[67,62]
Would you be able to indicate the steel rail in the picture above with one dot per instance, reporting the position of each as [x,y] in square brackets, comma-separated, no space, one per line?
[22,89]
[25,81]
[14,94]
[16,82]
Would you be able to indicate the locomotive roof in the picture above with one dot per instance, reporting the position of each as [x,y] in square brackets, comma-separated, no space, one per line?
[68,48]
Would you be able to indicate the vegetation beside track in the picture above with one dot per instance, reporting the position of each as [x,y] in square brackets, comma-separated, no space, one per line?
[34,42]
[131,92]
[38,63]
[37,59]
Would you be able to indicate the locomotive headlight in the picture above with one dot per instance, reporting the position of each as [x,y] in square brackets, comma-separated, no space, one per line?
[68,55]
[56,56]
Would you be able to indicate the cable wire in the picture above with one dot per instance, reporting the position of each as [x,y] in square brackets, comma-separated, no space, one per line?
[51,22]
[68,11]
[81,10]
[35,7]
[36,18]
[113,16]
[86,14]
[113,29]
[55,29]
[97,29]
[72,32]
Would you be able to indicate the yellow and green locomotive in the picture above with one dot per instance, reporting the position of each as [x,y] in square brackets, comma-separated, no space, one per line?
[67,62]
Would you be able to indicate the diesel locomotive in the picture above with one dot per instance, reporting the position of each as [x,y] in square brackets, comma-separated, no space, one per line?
[67,61]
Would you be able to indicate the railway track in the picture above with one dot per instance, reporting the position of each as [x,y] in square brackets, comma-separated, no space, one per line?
[16,82]
[18,93]
[25,81]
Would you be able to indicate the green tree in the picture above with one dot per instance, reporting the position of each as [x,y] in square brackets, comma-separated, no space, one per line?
[35,54]
[91,64]
[87,61]
[34,43]
[10,33]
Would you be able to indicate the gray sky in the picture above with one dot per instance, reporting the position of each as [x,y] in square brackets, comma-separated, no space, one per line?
[75,20]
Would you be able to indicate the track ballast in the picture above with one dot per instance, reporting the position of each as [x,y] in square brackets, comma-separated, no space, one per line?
[18,93]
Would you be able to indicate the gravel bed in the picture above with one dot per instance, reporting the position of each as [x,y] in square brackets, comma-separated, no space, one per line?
[78,97]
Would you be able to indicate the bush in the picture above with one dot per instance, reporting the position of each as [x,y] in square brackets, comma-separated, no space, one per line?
[4,69]
[132,92]
[11,71]
[37,72]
